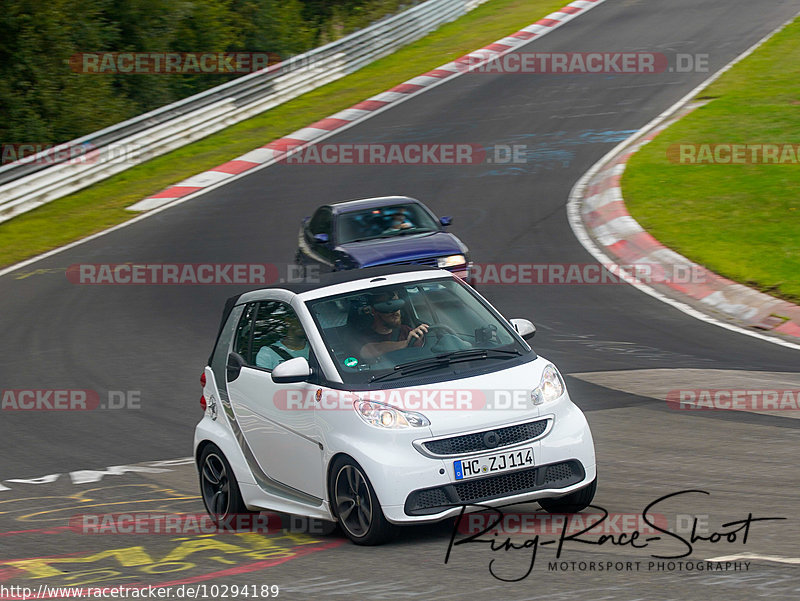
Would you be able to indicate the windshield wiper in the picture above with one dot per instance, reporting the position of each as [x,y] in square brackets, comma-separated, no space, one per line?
[414,230]
[392,235]
[446,359]
[407,371]
[455,356]
[485,351]
[363,239]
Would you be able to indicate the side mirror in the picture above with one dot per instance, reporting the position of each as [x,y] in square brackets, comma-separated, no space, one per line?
[235,364]
[524,328]
[293,370]
[321,238]
[445,221]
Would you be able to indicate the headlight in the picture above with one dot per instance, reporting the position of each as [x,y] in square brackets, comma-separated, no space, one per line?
[386,416]
[451,261]
[550,387]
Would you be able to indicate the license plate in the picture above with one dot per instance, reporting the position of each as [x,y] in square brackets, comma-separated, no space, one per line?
[492,464]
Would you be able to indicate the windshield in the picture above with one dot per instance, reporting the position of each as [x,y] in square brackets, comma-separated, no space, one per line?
[387,334]
[384,222]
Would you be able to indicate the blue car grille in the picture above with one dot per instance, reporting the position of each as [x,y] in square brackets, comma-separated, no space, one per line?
[429,261]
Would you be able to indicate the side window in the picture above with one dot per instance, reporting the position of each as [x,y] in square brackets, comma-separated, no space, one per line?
[321,222]
[219,359]
[277,335]
[241,343]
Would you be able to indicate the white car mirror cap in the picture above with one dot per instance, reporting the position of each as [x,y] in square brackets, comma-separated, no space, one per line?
[291,371]
[524,328]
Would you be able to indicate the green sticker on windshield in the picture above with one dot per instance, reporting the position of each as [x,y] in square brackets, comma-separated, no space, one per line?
[350,362]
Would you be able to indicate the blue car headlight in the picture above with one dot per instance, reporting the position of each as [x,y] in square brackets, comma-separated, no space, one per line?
[451,261]
[345,262]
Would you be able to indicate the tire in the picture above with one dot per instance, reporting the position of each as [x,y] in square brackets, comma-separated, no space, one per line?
[571,503]
[218,487]
[356,505]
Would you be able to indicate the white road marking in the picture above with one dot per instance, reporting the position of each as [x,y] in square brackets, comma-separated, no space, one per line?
[88,476]
[775,558]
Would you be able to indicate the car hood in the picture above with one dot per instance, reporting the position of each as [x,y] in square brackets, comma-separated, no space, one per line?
[403,248]
[477,402]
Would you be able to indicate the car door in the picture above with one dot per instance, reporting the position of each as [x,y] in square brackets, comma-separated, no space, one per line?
[317,252]
[277,420]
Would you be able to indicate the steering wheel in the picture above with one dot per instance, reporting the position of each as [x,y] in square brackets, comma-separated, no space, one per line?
[438,327]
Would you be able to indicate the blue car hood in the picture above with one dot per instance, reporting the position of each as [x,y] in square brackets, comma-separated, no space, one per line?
[403,248]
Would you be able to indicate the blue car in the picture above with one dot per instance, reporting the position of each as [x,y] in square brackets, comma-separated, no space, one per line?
[390,230]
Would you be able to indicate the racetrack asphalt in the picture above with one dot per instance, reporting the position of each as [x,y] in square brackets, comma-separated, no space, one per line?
[154,340]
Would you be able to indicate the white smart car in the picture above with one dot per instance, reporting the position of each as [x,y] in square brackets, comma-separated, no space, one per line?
[384,396]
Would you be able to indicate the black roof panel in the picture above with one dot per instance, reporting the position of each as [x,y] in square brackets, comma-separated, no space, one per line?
[338,277]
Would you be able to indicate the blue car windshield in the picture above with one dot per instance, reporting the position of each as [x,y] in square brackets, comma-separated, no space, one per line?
[384,222]
[370,334]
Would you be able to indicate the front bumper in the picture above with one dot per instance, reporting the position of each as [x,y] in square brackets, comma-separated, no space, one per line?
[431,501]
[463,271]
[413,487]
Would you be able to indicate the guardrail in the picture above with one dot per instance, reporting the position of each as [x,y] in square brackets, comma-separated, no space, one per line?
[49,175]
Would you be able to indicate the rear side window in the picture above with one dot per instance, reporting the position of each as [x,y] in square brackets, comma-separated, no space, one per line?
[242,343]
[270,333]
[278,335]
[219,359]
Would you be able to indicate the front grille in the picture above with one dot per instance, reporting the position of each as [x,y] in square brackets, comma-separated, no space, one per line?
[434,500]
[496,486]
[473,443]
[433,497]
[429,261]
[558,472]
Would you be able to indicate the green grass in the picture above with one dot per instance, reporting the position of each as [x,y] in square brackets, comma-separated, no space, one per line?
[741,221]
[103,205]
